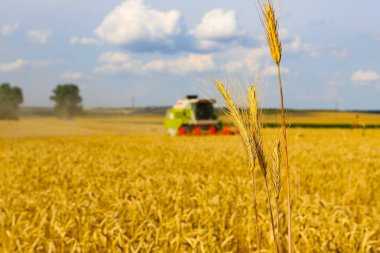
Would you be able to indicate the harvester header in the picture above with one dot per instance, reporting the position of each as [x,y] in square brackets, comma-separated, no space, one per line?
[194,116]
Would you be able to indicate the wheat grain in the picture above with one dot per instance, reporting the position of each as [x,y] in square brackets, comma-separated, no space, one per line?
[271,28]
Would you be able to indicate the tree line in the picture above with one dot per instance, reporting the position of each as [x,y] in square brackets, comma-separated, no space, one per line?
[66,97]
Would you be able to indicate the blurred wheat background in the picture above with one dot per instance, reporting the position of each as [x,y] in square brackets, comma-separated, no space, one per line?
[153,193]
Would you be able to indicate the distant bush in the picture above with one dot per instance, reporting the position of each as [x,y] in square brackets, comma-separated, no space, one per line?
[67,99]
[10,99]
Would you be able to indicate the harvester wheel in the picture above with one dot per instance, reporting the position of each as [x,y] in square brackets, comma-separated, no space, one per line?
[212,130]
[182,131]
[197,130]
[227,130]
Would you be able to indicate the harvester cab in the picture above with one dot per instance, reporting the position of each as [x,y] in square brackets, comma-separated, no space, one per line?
[192,115]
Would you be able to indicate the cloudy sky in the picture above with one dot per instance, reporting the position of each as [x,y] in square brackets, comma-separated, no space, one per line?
[156,51]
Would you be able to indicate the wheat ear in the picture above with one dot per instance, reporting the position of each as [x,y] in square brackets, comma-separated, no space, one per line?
[271,29]
[270,24]
[256,140]
[276,181]
[237,118]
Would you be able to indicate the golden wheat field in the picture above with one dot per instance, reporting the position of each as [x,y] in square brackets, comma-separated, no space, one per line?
[122,185]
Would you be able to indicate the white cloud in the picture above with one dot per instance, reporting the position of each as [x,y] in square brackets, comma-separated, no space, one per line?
[73,75]
[246,60]
[234,66]
[255,61]
[110,69]
[208,45]
[193,63]
[84,41]
[139,27]
[12,66]
[8,29]
[114,57]
[134,24]
[39,37]
[218,24]
[18,64]
[216,28]
[362,77]
[116,62]
[272,71]
[296,45]
[243,59]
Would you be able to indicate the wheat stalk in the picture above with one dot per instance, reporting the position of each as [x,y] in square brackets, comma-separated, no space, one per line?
[249,126]
[254,129]
[259,150]
[276,169]
[237,118]
[276,181]
[270,24]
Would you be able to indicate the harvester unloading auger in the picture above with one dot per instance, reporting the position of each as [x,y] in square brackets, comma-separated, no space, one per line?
[194,116]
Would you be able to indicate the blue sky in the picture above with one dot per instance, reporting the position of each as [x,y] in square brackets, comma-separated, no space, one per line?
[157,51]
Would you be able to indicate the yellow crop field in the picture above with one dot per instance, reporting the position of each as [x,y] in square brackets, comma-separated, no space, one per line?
[50,126]
[91,185]
[325,117]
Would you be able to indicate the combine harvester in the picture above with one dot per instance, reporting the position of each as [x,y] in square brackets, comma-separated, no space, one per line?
[194,116]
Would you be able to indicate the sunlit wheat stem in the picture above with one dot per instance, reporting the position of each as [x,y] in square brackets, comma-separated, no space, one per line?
[254,198]
[236,117]
[277,184]
[271,214]
[278,221]
[271,29]
[255,132]
[284,141]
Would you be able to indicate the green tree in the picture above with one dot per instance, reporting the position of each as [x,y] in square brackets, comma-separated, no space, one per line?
[67,100]
[10,99]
